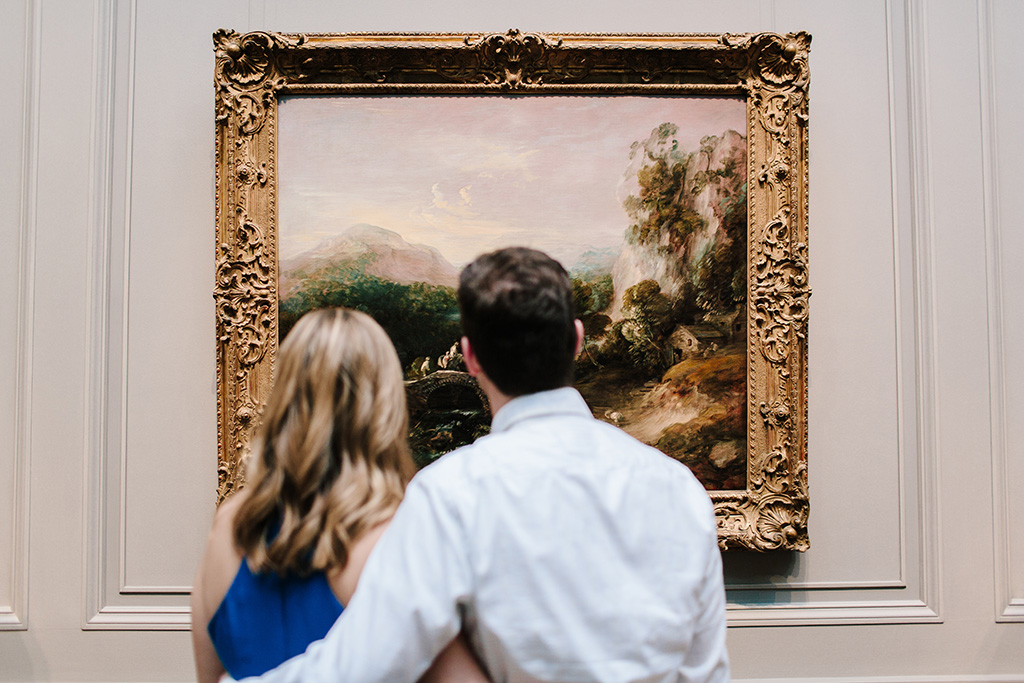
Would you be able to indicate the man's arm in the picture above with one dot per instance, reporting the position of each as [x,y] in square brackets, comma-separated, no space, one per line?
[707,660]
[404,611]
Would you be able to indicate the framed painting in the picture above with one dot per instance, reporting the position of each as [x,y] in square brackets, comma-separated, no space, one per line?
[667,173]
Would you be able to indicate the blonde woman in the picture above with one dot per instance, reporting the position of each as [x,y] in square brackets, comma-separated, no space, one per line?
[328,468]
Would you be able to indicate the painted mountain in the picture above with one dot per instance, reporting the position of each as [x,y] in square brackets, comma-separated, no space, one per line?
[373,251]
[408,288]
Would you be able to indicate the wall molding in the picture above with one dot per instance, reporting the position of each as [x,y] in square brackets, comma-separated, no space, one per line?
[838,613]
[111,604]
[14,617]
[1008,607]
[101,184]
[926,436]
[995,678]
[140,617]
[118,309]
[818,585]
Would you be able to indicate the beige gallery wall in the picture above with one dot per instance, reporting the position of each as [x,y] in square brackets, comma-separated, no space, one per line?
[108,417]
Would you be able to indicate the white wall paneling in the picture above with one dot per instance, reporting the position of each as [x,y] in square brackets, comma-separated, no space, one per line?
[963,388]
[640,16]
[19,43]
[887,471]
[147,442]
[107,604]
[916,568]
[1003,143]
[170,407]
[1013,678]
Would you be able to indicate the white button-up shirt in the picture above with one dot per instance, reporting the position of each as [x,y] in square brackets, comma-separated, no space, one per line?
[569,550]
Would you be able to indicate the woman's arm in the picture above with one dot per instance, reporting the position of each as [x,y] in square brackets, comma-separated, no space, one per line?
[208,666]
[216,571]
[455,664]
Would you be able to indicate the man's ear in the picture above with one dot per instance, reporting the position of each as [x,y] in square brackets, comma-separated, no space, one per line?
[472,364]
[579,337]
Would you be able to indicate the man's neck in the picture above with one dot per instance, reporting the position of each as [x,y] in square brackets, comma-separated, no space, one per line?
[495,396]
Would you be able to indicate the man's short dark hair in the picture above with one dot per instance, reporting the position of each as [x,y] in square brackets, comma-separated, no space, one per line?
[518,314]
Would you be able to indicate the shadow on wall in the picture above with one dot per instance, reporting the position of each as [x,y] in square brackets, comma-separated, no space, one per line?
[752,577]
[23,659]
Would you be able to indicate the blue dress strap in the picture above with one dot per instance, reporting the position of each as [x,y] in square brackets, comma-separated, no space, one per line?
[266,619]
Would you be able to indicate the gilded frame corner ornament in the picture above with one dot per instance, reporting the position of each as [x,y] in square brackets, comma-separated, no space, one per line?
[770,70]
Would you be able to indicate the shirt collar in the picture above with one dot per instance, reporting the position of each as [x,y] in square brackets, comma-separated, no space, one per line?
[563,401]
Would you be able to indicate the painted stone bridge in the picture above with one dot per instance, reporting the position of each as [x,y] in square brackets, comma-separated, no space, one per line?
[445,390]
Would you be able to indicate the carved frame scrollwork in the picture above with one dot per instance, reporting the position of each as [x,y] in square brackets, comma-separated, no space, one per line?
[770,70]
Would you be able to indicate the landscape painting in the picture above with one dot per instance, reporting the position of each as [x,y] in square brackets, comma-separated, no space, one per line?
[382,199]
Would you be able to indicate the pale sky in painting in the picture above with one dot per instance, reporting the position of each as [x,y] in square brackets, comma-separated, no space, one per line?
[471,174]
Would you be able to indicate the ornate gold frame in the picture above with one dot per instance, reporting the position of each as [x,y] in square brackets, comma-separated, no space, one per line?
[770,70]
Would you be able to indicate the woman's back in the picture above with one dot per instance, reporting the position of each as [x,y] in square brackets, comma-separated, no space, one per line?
[266,619]
[257,621]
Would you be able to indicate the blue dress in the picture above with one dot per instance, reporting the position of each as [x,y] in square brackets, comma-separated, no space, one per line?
[266,619]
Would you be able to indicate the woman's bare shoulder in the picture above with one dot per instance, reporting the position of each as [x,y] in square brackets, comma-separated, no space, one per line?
[216,571]
[344,580]
[220,560]
[226,511]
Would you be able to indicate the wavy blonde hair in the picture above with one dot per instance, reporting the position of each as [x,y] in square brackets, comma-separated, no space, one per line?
[330,459]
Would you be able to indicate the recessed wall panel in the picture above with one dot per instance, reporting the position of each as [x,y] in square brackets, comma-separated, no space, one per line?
[15,45]
[1007,140]
[856,386]
[170,446]
[160,463]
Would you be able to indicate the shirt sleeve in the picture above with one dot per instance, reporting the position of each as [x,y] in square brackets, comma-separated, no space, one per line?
[707,659]
[406,607]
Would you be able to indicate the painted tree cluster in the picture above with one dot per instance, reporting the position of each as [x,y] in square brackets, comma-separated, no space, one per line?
[423,323]
[687,244]
[421,319]
[664,354]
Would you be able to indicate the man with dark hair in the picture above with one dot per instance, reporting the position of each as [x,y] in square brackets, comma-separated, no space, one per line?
[562,547]
[518,318]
